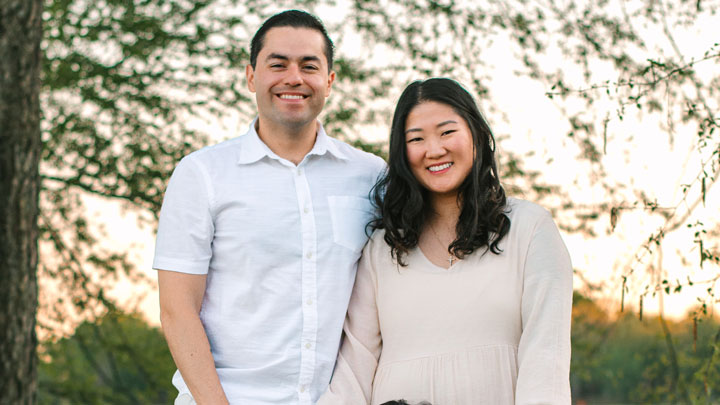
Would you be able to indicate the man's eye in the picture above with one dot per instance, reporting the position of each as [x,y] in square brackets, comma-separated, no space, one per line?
[311,67]
[276,65]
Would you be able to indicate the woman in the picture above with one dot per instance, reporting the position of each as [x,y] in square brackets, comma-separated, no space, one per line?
[463,296]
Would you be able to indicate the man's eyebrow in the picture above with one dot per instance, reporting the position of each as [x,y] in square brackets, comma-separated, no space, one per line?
[307,58]
[277,56]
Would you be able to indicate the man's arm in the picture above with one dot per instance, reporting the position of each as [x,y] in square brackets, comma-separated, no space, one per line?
[181,296]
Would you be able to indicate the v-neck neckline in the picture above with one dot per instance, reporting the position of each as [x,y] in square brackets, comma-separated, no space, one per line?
[435,267]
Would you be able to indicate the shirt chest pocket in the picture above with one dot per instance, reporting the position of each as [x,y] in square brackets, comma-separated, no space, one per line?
[350,215]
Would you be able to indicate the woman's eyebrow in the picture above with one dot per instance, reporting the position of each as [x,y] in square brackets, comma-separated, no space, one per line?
[446,122]
[438,126]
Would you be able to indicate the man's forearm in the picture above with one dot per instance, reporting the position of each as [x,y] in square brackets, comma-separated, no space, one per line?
[190,349]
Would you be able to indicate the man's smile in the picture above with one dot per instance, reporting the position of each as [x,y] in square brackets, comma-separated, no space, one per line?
[292,96]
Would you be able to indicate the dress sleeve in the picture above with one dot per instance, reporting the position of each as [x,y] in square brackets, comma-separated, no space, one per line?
[351,383]
[544,349]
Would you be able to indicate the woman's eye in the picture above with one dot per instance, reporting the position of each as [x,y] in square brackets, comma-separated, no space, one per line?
[416,139]
[448,132]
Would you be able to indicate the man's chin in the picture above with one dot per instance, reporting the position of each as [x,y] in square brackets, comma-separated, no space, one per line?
[297,122]
[291,120]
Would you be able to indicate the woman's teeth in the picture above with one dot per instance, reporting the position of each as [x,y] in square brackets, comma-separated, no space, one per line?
[439,167]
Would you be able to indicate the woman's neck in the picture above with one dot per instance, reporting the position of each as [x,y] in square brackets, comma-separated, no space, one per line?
[445,211]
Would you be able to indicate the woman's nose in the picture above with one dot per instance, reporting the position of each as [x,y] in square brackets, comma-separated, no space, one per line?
[436,148]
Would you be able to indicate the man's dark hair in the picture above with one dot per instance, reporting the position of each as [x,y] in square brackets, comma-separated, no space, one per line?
[295,19]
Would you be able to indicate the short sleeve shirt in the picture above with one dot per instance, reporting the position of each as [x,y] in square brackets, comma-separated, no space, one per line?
[279,244]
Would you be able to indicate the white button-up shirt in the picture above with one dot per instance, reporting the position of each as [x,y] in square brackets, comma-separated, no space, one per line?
[279,244]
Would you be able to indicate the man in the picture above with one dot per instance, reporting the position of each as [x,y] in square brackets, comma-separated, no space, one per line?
[259,236]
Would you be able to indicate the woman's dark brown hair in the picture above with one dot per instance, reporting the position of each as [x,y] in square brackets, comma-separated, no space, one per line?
[404,203]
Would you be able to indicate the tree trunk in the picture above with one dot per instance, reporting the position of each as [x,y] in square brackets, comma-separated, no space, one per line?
[20,147]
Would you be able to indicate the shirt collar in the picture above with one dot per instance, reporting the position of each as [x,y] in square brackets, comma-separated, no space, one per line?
[254,149]
[323,143]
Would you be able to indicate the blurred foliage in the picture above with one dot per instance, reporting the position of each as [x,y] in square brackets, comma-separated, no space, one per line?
[602,62]
[626,360]
[120,359]
[130,86]
[116,359]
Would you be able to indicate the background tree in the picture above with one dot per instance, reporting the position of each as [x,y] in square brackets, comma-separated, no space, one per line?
[622,74]
[128,89]
[131,86]
[602,63]
[20,35]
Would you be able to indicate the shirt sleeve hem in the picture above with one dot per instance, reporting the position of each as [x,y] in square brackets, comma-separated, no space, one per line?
[181,266]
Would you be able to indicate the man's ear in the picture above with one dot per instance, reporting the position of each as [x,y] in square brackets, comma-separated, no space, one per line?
[250,76]
[331,79]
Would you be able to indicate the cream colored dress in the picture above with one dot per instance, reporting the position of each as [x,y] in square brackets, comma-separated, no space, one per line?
[491,329]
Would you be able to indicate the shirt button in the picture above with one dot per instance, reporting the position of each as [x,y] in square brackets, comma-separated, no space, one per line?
[309,301]
[308,345]
[308,255]
[306,210]
[299,172]
[302,388]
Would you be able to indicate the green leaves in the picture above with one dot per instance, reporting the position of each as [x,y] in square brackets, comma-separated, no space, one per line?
[118,358]
[130,87]
[625,358]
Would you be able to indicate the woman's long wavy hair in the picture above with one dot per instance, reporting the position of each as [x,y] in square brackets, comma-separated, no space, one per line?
[404,203]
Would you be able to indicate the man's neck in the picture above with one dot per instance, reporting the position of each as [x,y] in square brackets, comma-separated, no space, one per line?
[291,143]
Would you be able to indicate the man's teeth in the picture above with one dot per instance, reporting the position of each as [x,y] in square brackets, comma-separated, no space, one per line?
[291,96]
[440,167]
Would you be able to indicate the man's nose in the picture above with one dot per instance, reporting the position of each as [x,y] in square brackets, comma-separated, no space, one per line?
[293,76]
